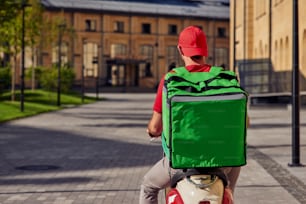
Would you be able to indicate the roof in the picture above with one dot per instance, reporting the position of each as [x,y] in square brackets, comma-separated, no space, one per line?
[189,8]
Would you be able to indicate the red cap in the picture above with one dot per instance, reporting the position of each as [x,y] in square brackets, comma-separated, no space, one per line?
[192,41]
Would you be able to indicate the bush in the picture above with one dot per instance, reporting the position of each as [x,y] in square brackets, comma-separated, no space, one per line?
[37,71]
[49,79]
[67,78]
[5,78]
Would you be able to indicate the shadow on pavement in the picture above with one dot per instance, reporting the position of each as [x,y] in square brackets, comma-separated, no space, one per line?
[20,146]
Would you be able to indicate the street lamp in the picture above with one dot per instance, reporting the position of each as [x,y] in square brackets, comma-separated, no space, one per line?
[23,6]
[234,37]
[61,27]
[83,69]
[295,89]
[95,62]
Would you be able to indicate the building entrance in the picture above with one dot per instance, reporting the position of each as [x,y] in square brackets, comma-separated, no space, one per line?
[123,72]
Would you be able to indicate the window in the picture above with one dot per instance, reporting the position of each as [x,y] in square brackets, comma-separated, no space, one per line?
[221,32]
[119,27]
[221,57]
[90,25]
[286,63]
[30,57]
[281,55]
[118,50]
[90,59]
[63,54]
[146,28]
[146,51]
[173,56]
[172,29]
[276,58]
[261,52]
[118,76]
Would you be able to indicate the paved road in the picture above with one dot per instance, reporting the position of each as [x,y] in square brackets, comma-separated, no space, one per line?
[98,153]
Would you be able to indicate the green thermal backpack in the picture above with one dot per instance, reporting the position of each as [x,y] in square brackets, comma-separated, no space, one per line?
[204,119]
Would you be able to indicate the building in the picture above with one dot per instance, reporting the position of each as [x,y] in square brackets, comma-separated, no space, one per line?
[262,44]
[132,43]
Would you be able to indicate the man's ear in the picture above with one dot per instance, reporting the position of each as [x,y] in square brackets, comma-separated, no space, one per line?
[180,50]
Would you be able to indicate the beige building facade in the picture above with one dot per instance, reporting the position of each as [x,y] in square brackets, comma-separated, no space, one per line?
[132,48]
[262,44]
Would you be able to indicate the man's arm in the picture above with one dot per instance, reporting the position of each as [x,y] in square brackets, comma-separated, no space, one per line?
[155,125]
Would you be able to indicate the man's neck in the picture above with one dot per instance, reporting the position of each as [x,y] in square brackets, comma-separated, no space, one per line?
[188,61]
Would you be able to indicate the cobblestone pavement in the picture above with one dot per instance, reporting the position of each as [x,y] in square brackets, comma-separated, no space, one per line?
[98,153]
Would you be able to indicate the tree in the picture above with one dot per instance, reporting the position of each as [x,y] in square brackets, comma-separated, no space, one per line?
[39,32]
[10,36]
[34,26]
[7,11]
[11,29]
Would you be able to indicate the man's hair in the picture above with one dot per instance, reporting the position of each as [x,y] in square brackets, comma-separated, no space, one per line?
[196,57]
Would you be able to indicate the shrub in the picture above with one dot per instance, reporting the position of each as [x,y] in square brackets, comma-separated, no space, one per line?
[37,70]
[5,78]
[49,79]
[67,78]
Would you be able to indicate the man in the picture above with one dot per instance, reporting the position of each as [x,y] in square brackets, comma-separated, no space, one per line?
[192,47]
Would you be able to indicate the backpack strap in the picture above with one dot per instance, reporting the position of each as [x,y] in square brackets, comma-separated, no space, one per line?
[219,72]
[204,77]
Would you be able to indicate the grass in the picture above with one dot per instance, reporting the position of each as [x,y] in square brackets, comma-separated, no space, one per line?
[36,102]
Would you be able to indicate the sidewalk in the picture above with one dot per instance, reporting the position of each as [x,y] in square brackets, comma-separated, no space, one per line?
[268,178]
[98,153]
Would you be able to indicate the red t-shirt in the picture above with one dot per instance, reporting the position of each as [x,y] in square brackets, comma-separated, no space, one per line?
[158,99]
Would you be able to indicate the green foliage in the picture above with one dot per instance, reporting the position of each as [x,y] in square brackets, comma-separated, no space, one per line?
[67,76]
[11,24]
[49,79]
[37,73]
[5,78]
[8,11]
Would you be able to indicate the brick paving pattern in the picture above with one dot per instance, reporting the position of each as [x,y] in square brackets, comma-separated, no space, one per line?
[101,152]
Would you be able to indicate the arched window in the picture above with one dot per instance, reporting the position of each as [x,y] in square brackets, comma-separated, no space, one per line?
[281,55]
[286,57]
[261,54]
[275,63]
